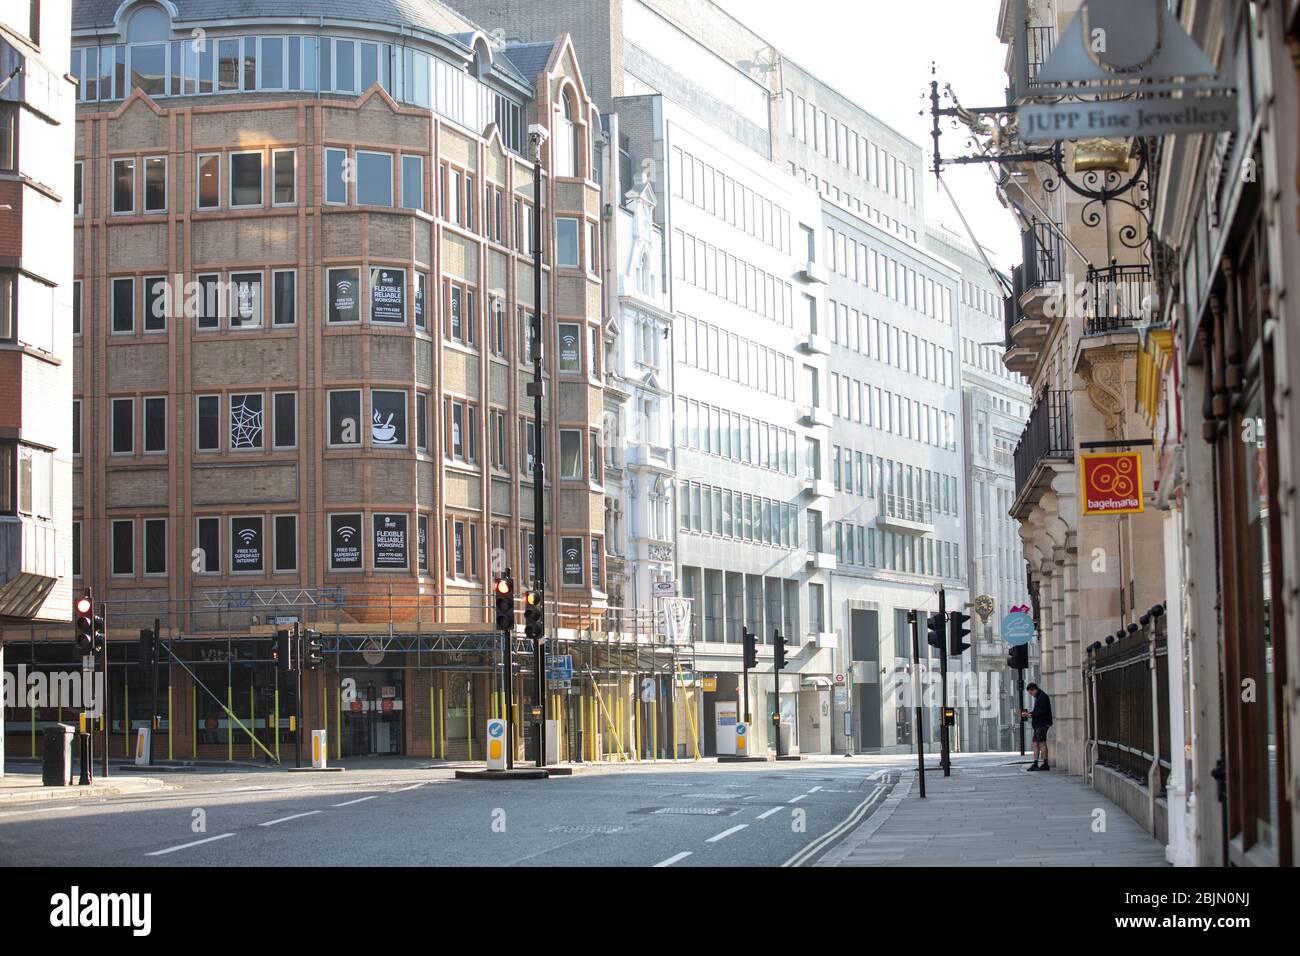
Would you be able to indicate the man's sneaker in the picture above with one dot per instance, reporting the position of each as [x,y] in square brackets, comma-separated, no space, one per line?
[1032,766]
[1045,766]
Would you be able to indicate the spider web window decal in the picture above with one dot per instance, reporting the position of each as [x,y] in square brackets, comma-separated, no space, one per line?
[246,421]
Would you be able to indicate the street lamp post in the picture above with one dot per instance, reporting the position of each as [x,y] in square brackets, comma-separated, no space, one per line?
[537,135]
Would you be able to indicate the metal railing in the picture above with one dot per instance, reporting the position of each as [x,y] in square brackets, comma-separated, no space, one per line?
[1049,434]
[1011,314]
[1128,699]
[1042,255]
[905,508]
[1039,42]
[1120,295]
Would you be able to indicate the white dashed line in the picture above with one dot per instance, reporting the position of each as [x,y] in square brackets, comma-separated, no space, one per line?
[186,846]
[673,859]
[726,833]
[348,803]
[797,799]
[767,813]
[296,816]
[814,789]
[404,789]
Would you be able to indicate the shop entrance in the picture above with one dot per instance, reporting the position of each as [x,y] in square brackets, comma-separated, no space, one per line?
[373,719]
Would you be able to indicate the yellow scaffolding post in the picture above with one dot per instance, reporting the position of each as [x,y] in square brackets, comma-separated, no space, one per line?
[252,722]
[230,726]
[582,723]
[338,724]
[636,721]
[618,711]
[442,727]
[673,720]
[433,732]
[690,715]
[469,717]
[600,698]
[126,719]
[654,731]
[169,718]
[277,725]
[194,721]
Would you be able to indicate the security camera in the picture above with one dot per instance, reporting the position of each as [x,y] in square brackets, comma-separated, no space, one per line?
[538,133]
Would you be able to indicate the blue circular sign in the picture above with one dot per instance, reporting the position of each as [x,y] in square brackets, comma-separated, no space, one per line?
[496,728]
[741,730]
[1017,628]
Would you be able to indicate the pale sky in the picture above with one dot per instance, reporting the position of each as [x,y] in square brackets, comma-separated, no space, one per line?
[878,53]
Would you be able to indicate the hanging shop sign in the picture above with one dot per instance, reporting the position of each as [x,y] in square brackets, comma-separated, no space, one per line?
[1112,483]
[1206,114]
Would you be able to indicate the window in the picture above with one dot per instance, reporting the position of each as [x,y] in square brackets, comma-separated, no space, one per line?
[336,176]
[421,421]
[209,180]
[284,172]
[8,141]
[570,453]
[412,182]
[123,548]
[246,179]
[571,561]
[286,543]
[462,427]
[593,456]
[387,418]
[462,548]
[209,422]
[76,549]
[123,185]
[210,306]
[597,579]
[123,437]
[497,333]
[155,183]
[566,242]
[461,316]
[422,543]
[388,296]
[593,248]
[246,422]
[374,178]
[343,298]
[76,306]
[284,289]
[284,430]
[421,281]
[345,418]
[76,426]
[570,337]
[246,300]
[209,545]
[155,547]
[123,306]
[527,446]
[155,424]
[497,439]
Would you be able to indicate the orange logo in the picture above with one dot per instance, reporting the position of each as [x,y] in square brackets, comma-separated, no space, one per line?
[1112,483]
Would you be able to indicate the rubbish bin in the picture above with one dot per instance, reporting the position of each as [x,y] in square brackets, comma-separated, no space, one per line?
[57,768]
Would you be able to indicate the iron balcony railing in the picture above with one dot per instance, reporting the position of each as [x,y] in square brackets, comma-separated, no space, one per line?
[1038,46]
[905,508]
[1042,258]
[1049,434]
[1121,296]
[1129,697]
[1011,304]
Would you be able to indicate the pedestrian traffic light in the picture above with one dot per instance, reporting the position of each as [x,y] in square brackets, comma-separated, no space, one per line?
[283,653]
[950,716]
[750,640]
[778,650]
[504,590]
[84,619]
[1018,657]
[958,628]
[533,603]
[98,631]
[934,630]
[313,649]
[148,648]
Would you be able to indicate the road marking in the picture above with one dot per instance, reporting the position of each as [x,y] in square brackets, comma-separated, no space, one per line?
[852,820]
[797,799]
[673,859]
[767,813]
[296,816]
[348,803]
[404,789]
[186,846]
[814,789]
[726,833]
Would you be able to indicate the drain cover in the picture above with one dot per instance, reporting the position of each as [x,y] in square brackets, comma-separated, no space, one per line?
[582,829]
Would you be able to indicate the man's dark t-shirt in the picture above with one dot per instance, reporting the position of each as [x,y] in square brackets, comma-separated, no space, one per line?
[1041,715]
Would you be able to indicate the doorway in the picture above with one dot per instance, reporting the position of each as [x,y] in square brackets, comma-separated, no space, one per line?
[373,719]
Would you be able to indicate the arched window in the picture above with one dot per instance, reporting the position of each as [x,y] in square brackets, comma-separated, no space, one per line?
[148,23]
[567,150]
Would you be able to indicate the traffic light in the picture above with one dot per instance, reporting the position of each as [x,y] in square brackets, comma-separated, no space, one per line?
[98,632]
[504,589]
[778,650]
[1018,657]
[950,716]
[313,649]
[282,652]
[934,630]
[148,648]
[84,619]
[958,628]
[533,615]
[750,640]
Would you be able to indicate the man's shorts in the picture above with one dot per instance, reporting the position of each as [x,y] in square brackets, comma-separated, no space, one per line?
[1040,734]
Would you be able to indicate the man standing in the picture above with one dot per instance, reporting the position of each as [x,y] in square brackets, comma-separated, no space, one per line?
[1040,719]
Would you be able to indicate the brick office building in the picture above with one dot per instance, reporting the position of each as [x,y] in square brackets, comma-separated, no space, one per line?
[303,284]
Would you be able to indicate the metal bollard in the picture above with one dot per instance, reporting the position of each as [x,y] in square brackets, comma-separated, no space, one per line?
[84,758]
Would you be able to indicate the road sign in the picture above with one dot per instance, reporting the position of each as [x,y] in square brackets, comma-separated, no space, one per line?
[648,690]
[1017,628]
[559,667]
[710,685]
[496,750]
[839,678]
[665,589]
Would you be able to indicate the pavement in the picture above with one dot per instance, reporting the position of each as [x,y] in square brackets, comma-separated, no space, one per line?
[991,812]
[860,810]
[24,785]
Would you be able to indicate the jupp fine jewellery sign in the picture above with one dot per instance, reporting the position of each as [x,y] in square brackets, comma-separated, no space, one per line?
[1130,54]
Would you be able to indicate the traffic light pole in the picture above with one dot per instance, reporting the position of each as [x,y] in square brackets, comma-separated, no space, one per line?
[104,708]
[153,668]
[1020,703]
[296,657]
[913,618]
[943,680]
[539,476]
